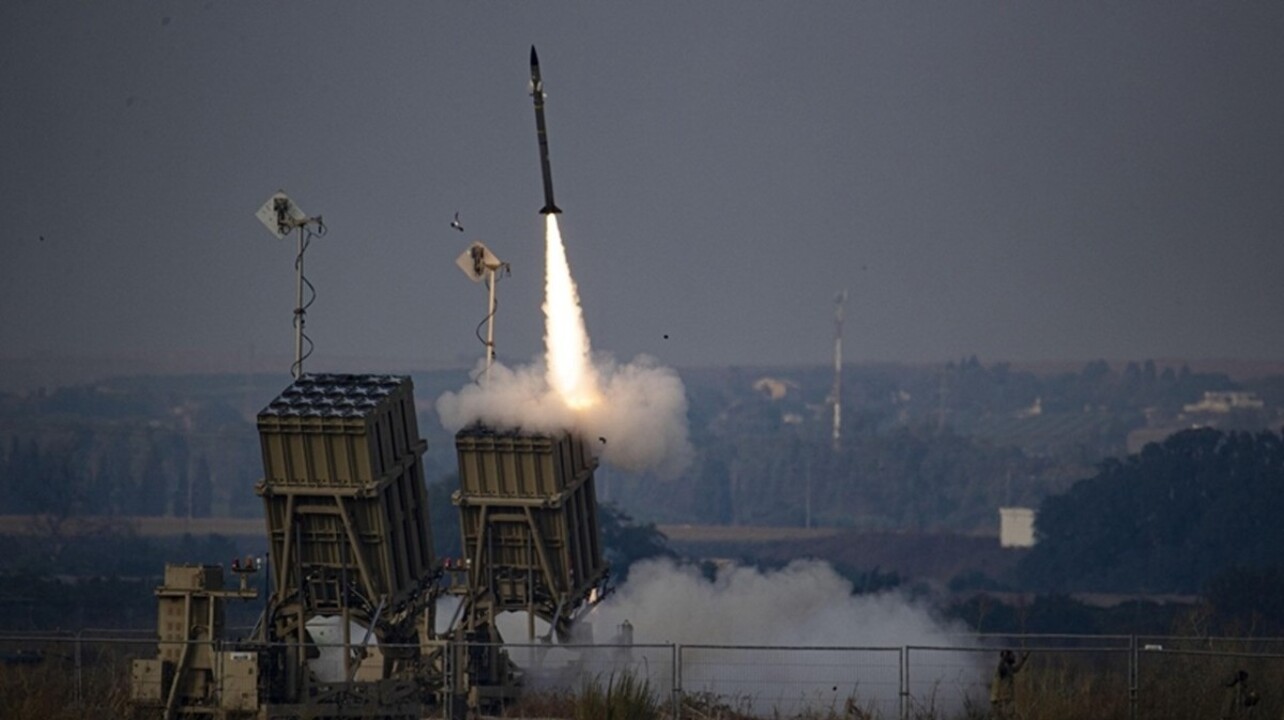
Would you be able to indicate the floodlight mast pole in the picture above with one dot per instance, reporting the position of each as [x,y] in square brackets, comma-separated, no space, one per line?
[480,265]
[490,325]
[281,217]
[297,367]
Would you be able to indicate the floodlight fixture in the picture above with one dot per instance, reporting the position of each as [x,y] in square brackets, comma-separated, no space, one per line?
[282,216]
[479,263]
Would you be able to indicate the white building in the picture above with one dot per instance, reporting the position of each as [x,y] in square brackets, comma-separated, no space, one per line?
[1016,527]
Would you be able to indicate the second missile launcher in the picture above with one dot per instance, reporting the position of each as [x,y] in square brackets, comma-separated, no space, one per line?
[528,516]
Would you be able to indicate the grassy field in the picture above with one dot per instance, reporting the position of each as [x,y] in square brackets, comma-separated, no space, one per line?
[146,526]
[1055,686]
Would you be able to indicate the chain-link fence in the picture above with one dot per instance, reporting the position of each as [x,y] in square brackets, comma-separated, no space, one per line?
[64,675]
[1210,677]
[1053,676]
[91,674]
[758,681]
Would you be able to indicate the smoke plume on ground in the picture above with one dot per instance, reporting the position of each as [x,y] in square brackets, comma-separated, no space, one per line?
[806,607]
[804,603]
[640,422]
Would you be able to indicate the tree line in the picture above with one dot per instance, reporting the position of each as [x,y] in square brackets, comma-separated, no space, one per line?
[1173,518]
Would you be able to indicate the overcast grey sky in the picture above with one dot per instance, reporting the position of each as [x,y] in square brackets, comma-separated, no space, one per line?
[1020,181]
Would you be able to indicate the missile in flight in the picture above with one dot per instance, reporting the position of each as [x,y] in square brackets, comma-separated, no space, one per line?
[537,92]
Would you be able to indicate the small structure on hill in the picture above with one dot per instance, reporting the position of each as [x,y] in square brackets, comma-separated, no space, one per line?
[1016,527]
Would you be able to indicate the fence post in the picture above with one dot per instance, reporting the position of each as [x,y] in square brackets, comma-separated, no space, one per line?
[80,673]
[904,673]
[677,681]
[216,650]
[451,676]
[1134,673]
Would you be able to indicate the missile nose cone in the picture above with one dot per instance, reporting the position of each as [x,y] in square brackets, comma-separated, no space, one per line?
[534,58]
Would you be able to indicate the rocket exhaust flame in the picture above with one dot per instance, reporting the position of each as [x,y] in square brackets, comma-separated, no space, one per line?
[566,341]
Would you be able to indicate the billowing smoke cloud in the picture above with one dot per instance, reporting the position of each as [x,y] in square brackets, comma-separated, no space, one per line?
[804,603]
[638,410]
[641,416]
[806,607]
[793,642]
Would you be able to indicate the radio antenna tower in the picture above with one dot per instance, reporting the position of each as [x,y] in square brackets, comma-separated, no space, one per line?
[281,217]
[837,397]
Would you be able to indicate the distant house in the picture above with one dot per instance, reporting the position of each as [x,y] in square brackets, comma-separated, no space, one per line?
[1035,409]
[1223,402]
[773,388]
